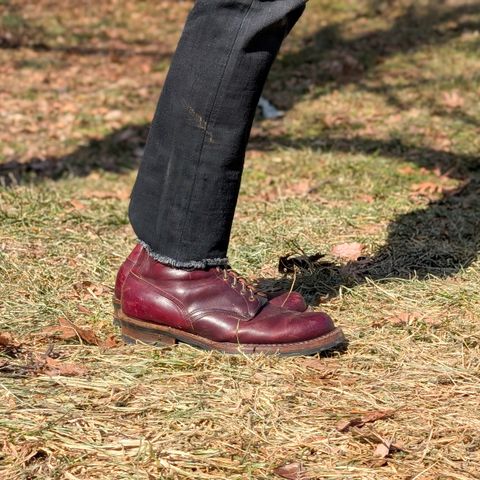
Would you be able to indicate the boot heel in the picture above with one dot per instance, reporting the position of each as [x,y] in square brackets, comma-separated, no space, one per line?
[117,308]
[134,334]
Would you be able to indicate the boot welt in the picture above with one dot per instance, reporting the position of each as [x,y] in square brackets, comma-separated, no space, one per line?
[138,331]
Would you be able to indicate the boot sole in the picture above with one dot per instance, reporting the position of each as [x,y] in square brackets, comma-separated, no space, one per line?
[137,331]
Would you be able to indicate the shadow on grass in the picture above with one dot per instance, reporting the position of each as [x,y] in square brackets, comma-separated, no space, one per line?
[330,60]
[438,240]
[118,152]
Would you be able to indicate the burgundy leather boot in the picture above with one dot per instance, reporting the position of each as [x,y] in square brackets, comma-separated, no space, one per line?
[289,300]
[215,309]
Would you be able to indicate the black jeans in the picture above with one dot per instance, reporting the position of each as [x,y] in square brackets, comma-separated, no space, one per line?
[187,186]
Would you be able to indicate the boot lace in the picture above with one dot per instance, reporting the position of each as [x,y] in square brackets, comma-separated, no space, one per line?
[235,279]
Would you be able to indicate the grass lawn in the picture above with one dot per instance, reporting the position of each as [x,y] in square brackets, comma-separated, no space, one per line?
[378,151]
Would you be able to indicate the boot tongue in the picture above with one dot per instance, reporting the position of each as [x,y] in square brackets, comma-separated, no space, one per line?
[254,301]
[254,307]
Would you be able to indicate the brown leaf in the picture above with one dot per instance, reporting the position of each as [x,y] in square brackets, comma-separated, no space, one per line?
[254,153]
[54,367]
[77,205]
[375,415]
[110,342]
[400,319]
[9,345]
[292,471]
[345,425]
[348,251]
[442,141]
[317,364]
[368,417]
[86,334]
[88,289]
[406,170]
[62,331]
[67,330]
[432,322]
[298,189]
[382,450]
[113,115]
[426,189]
[366,198]
[84,310]
[119,195]
[406,318]
[452,100]
[6,340]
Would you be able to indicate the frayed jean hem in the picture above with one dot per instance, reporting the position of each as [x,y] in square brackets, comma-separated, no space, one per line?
[190,265]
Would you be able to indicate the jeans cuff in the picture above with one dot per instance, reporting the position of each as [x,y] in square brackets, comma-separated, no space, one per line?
[192,264]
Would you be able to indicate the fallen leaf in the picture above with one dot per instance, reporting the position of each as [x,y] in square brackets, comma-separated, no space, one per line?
[292,471]
[366,198]
[442,141]
[375,415]
[452,100]
[453,191]
[382,450]
[6,340]
[322,371]
[67,330]
[9,345]
[406,170]
[345,425]
[87,289]
[385,449]
[299,189]
[84,310]
[119,195]
[77,205]
[333,120]
[404,318]
[368,417]
[254,153]
[110,342]
[426,188]
[113,115]
[400,319]
[433,322]
[54,367]
[376,462]
[348,251]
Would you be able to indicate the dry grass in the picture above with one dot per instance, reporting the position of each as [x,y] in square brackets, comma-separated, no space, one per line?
[379,146]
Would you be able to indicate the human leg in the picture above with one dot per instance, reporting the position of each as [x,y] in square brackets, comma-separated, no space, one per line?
[186,191]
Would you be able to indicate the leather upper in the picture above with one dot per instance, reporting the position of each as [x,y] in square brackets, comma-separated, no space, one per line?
[125,268]
[213,304]
[288,300]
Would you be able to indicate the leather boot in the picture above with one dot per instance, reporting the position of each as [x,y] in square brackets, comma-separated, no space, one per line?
[215,309]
